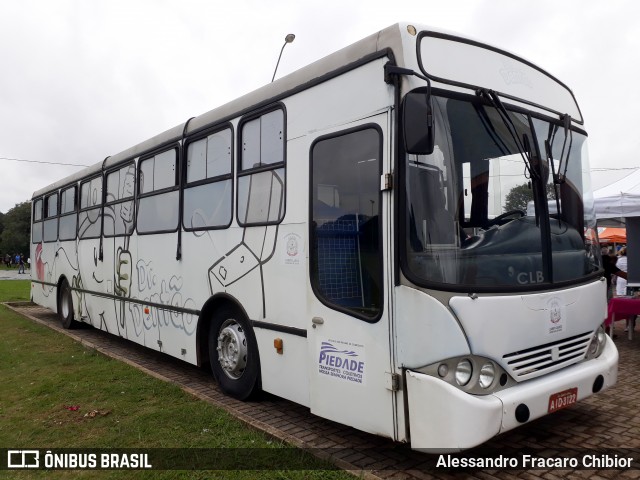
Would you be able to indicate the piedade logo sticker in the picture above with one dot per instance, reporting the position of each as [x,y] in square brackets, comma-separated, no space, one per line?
[341,364]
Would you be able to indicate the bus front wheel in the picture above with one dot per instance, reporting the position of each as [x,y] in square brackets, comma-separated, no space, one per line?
[233,352]
[65,306]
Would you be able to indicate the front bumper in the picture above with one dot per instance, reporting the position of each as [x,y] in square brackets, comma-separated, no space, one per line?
[444,418]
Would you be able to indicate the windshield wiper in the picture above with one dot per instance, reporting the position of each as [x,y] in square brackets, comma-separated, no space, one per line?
[523,146]
[560,176]
[563,162]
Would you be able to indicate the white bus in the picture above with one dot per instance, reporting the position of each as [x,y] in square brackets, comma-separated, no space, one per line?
[347,237]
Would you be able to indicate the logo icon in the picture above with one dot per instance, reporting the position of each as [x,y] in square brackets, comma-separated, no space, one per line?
[555,314]
[23,459]
[327,347]
[292,246]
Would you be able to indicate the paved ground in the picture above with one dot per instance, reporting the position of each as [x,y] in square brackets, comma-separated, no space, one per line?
[610,420]
[12,274]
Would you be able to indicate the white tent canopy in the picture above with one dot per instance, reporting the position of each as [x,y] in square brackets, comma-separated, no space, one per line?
[620,199]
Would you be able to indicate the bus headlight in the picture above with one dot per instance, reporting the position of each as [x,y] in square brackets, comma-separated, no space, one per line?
[597,343]
[464,370]
[473,374]
[487,375]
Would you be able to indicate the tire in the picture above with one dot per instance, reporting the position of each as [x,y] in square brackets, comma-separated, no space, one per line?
[233,353]
[65,306]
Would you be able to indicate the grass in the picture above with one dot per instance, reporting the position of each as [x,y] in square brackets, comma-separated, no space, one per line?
[13,291]
[12,267]
[46,374]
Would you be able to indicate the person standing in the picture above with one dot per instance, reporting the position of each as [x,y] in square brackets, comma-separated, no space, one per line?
[621,263]
[610,269]
[21,263]
[621,284]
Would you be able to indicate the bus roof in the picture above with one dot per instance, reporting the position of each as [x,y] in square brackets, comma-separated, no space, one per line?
[385,40]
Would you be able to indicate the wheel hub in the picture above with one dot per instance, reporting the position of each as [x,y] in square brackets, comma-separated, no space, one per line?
[232,349]
[66,303]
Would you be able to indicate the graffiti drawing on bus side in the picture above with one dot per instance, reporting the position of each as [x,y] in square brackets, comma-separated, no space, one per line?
[119,220]
[155,290]
[88,279]
[45,269]
[40,264]
[46,272]
[264,204]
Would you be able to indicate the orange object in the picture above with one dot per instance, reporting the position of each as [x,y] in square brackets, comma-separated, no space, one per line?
[612,235]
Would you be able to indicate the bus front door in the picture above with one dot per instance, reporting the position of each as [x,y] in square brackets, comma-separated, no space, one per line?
[349,338]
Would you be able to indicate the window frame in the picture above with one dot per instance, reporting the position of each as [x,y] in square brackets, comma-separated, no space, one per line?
[35,222]
[313,273]
[132,198]
[262,168]
[100,206]
[62,215]
[176,187]
[49,218]
[206,181]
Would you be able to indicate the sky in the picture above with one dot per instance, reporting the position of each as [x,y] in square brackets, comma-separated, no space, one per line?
[84,79]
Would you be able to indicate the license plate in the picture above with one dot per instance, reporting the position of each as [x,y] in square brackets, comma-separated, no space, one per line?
[563,399]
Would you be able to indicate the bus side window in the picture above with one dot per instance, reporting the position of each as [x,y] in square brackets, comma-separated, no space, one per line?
[90,216]
[209,186]
[158,208]
[68,216]
[119,207]
[36,230]
[261,179]
[346,266]
[50,233]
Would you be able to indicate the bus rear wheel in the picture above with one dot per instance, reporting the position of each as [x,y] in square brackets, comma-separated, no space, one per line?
[65,306]
[233,352]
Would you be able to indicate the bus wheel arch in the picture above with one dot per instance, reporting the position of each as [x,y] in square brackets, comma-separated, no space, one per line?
[227,343]
[65,304]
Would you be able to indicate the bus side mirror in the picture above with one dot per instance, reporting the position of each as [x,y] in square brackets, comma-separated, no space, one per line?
[417,121]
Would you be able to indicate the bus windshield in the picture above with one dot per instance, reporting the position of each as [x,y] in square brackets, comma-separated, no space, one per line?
[483,213]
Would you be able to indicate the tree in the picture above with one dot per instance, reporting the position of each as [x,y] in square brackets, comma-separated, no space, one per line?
[520,195]
[16,233]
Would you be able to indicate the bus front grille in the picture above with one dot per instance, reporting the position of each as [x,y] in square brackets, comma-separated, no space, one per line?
[536,361]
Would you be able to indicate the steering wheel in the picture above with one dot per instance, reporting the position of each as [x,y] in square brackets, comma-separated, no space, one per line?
[501,219]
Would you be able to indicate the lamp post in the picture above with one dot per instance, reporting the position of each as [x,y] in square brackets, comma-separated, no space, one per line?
[288,39]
